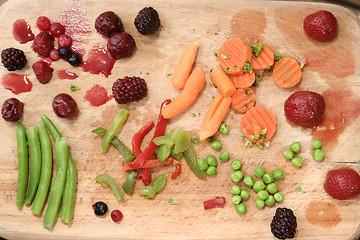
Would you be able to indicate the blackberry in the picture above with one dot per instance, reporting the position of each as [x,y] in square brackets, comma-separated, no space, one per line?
[129,89]
[147,21]
[283,224]
[13,59]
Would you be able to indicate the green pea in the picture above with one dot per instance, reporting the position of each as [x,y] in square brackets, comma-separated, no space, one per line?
[224,128]
[297,161]
[216,144]
[318,155]
[236,199]
[295,147]
[259,171]
[279,197]
[236,190]
[203,164]
[195,140]
[245,194]
[259,203]
[278,174]
[241,208]
[248,181]
[224,156]
[263,195]
[272,188]
[316,144]
[258,186]
[236,164]
[237,176]
[211,160]
[288,154]
[270,201]
[211,171]
[268,178]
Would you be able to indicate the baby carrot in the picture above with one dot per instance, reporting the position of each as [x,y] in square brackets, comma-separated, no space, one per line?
[287,72]
[23,165]
[242,100]
[183,68]
[264,60]
[244,80]
[187,96]
[222,82]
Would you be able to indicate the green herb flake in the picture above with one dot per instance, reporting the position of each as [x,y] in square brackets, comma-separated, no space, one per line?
[224,56]
[263,132]
[173,201]
[253,137]
[257,50]
[216,52]
[168,74]
[261,146]
[193,114]
[299,189]
[227,69]
[277,56]
[248,67]
[257,80]
[248,143]
[247,92]
[196,140]
[74,88]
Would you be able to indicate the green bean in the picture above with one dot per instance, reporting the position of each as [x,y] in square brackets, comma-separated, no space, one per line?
[46,170]
[35,164]
[51,127]
[58,185]
[23,165]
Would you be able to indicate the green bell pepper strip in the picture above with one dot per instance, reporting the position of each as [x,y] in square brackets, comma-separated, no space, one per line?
[182,140]
[23,165]
[128,184]
[154,187]
[107,181]
[190,157]
[115,126]
[163,153]
[120,146]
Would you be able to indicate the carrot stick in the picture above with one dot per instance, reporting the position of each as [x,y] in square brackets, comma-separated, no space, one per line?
[244,80]
[214,116]
[222,81]
[187,95]
[242,100]
[148,164]
[287,72]
[264,60]
[233,54]
[184,66]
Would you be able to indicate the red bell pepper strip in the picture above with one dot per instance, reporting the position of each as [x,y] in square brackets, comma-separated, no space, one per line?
[159,131]
[149,164]
[146,176]
[177,171]
[139,136]
[213,203]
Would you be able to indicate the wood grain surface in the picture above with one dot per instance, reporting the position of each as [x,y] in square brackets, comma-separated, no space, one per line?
[330,68]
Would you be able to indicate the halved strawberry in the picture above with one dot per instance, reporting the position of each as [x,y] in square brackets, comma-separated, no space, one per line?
[342,184]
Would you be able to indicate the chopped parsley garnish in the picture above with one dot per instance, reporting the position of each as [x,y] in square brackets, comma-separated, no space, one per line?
[299,189]
[277,56]
[247,67]
[256,83]
[257,50]
[224,56]
[247,92]
[216,52]
[168,74]
[173,201]
[74,88]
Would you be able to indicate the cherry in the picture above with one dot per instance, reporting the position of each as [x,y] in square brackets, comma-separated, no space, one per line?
[121,45]
[57,29]
[116,215]
[12,109]
[43,23]
[64,106]
[108,23]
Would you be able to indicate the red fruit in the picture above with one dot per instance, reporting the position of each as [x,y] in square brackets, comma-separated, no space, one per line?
[65,106]
[108,23]
[57,29]
[116,216]
[321,26]
[65,40]
[342,184]
[43,23]
[42,71]
[54,55]
[43,44]
[121,45]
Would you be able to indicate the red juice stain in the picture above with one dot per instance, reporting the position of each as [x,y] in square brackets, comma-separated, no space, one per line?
[98,61]
[16,83]
[65,74]
[97,95]
[322,214]
[341,108]
[22,31]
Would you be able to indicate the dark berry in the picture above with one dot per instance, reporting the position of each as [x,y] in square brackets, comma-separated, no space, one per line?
[64,52]
[65,40]
[108,23]
[147,21]
[43,23]
[42,71]
[13,59]
[43,44]
[54,55]
[121,45]
[283,224]
[64,106]
[12,109]
[74,59]
[100,208]
[116,215]
[129,89]
[57,29]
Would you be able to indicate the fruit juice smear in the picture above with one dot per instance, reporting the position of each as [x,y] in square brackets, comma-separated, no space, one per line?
[99,61]
[65,74]
[22,31]
[97,96]
[16,83]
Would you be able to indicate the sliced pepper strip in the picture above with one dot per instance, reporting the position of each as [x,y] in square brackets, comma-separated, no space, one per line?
[177,171]
[107,181]
[149,164]
[128,184]
[190,157]
[139,136]
[154,187]
[146,176]
[214,203]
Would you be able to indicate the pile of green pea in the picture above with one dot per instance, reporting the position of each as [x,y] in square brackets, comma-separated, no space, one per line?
[318,154]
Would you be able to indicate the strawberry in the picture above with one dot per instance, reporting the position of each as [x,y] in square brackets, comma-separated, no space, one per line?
[321,26]
[42,71]
[43,44]
[342,184]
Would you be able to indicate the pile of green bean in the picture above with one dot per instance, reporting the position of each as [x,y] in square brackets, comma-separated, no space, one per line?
[36,143]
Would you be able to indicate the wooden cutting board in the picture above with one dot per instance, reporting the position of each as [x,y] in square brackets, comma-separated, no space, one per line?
[334,66]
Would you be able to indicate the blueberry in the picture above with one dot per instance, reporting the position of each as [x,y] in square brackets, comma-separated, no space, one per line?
[74,59]
[100,208]
[64,52]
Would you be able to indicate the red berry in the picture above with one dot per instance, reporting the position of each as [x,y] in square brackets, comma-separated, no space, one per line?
[42,71]
[54,55]
[321,26]
[65,106]
[342,184]
[57,29]
[108,23]
[12,109]
[121,45]
[65,40]
[43,23]
[43,44]
[116,215]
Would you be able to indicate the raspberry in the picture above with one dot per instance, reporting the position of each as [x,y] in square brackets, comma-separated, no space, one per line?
[147,21]
[43,23]
[43,44]
[283,224]
[121,45]
[108,23]
[129,89]
[57,29]
[42,71]
[13,59]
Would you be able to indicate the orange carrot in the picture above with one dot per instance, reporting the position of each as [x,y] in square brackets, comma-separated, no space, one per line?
[222,82]
[184,66]
[244,80]
[264,60]
[214,116]
[242,100]
[149,164]
[187,95]
[287,72]
[233,54]
[258,124]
